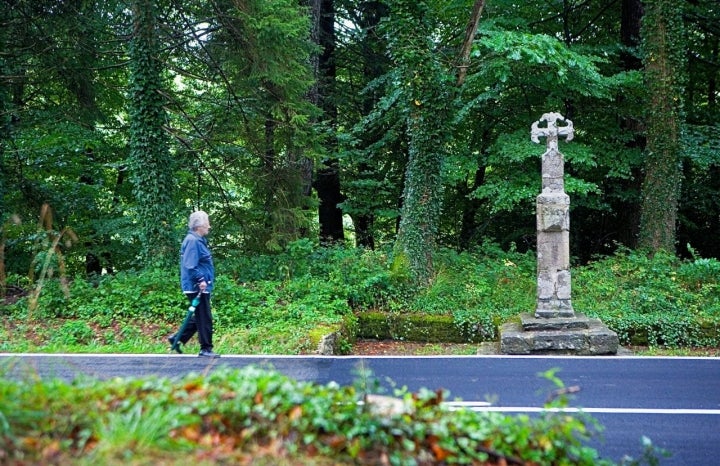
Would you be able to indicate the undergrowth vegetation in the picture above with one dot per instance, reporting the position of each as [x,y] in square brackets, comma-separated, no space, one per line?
[256,415]
[284,303]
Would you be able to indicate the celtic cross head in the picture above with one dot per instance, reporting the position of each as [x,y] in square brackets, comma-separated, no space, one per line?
[552,130]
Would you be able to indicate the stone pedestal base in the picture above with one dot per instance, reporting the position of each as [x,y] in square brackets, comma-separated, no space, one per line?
[562,335]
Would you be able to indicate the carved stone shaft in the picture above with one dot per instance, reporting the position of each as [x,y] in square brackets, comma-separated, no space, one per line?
[555,328]
[553,225]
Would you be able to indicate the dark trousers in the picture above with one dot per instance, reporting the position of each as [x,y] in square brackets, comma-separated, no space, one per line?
[201,322]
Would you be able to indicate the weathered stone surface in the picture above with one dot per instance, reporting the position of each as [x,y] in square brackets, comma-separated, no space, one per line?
[553,224]
[328,344]
[553,211]
[595,340]
[555,328]
[552,253]
[530,322]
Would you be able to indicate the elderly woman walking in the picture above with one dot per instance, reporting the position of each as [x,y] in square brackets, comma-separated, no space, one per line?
[197,274]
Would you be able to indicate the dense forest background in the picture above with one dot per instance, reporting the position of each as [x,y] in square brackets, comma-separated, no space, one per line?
[399,123]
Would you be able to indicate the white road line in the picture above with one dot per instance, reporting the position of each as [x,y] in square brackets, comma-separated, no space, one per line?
[487,407]
[466,404]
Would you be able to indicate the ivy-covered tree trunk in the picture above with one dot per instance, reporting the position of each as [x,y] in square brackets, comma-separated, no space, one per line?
[429,87]
[152,170]
[425,102]
[5,123]
[5,131]
[422,197]
[662,31]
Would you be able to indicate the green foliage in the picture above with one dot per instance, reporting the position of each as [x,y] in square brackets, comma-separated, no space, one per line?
[659,301]
[703,148]
[232,415]
[251,139]
[25,408]
[137,430]
[279,303]
[365,277]
[479,290]
[152,293]
[553,64]
[73,333]
[63,119]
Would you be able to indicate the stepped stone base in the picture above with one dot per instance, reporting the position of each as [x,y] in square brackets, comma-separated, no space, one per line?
[561,335]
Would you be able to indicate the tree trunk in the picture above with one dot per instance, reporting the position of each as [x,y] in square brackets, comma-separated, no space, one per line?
[268,170]
[152,168]
[327,182]
[469,225]
[712,79]
[422,196]
[374,65]
[470,32]
[662,36]
[626,221]
[428,124]
[364,236]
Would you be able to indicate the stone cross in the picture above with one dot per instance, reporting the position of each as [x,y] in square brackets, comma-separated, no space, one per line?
[555,328]
[553,223]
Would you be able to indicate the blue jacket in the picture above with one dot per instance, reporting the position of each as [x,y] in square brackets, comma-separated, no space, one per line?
[196,264]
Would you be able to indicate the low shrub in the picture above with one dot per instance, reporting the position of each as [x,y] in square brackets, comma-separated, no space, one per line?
[656,301]
[239,416]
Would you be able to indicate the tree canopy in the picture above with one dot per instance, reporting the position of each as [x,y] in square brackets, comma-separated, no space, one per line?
[123,117]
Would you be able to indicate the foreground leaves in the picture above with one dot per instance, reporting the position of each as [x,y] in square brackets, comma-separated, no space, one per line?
[255,415]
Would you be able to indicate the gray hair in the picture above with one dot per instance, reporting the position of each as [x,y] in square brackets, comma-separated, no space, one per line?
[198,219]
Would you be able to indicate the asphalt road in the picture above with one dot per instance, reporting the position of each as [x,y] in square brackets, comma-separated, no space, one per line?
[673,401]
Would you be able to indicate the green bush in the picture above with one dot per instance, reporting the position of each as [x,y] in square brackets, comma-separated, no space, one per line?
[233,416]
[73,333]
[658,301]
